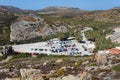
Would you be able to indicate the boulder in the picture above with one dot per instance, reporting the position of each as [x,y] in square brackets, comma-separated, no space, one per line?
[45,63]
[101,59]
[58,78]
[71,77]
[53,29]
[85,76]
[53,71]
[59,61]
[31,74]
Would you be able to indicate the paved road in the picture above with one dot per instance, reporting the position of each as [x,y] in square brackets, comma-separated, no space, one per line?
[87,44]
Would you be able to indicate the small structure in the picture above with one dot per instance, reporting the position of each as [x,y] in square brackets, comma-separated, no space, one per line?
[113,51]
[71,38]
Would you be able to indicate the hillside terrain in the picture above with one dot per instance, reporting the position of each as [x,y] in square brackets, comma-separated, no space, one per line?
[25,27]
[58,21]
[6,19]
[10,9]
[19,26]
[59,9]
[43,67]
[111,16]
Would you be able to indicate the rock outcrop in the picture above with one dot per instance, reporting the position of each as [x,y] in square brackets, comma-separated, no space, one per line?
[31,26]
[35,74]
[71,77]
[52,30]
[25,27]
[85,76]
[31,74]
[59,61]
[101,59]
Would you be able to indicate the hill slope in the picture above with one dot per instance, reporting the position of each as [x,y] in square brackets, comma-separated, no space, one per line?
[10,9]
[59,9]
[59,18]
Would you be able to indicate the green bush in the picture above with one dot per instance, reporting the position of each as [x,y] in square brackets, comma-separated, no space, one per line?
[60,72]
[41,55]
[77,64]
[100,39]
[1,48]
[93,64]
[1,58]
[22,55]
[116,68]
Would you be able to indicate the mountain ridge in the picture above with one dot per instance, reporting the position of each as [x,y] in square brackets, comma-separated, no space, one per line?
[54,9]
[10,9]
[117,7]
[60,9]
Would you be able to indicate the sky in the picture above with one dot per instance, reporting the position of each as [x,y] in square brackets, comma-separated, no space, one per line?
[82,4]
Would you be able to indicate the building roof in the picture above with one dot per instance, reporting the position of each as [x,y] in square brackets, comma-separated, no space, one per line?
[70,38]
[114,51]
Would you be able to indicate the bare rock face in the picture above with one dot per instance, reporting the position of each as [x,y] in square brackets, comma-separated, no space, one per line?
[85,76]
[52,30]
[69,77]
[31,74]
[101,58]
[25,27]
[31,26]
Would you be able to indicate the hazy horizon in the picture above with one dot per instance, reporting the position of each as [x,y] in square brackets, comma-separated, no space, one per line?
[81,4]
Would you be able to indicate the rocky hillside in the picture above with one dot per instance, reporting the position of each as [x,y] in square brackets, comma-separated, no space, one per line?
[25,27]
[31,26]
[59,9]
[43,67]
[110,16]
[6,19]
[53,20]
[11,9]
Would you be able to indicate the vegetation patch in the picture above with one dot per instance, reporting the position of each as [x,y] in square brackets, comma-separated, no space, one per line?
[22,55]
[1,58]
[100,39]
[6,19]
[77,64]
[93,64]
[116,68]
[41,55]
